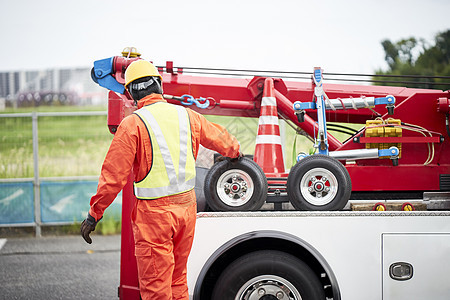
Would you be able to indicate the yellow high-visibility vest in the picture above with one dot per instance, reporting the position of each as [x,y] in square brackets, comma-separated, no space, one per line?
[173,163]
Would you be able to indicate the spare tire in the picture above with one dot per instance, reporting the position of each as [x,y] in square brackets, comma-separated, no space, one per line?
[319,182]
[239,185]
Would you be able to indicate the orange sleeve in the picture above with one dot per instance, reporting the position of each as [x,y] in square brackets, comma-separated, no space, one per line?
[116,167]
[212,136]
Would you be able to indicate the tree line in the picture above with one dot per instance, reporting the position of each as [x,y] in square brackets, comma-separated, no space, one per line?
[413,62]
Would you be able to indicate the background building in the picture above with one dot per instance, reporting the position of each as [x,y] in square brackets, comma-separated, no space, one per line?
[50,87]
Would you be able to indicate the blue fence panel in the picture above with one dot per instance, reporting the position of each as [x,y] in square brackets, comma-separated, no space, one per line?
[16,203]
[69,201]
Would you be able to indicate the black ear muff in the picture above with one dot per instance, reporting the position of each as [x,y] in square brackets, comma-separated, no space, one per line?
[145,86]
[134,95]
[158,83]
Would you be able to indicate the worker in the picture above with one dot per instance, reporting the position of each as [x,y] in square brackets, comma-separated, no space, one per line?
[159,142]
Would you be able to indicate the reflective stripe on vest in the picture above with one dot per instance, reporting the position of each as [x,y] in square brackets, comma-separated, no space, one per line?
[173,164]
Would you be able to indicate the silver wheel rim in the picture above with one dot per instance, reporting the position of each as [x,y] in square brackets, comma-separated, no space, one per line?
[235,187]
[268,285]
[319,186]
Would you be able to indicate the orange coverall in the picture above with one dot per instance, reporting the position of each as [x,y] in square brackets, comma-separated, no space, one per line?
[163,228]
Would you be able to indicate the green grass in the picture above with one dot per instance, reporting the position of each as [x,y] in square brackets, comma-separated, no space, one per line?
[109,225]
[68,146]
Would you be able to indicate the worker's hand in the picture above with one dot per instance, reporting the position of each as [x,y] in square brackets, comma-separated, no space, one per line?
[87,226]
[234,159]
[239,157]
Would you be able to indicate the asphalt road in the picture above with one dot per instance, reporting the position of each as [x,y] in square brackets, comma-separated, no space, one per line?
[59,268]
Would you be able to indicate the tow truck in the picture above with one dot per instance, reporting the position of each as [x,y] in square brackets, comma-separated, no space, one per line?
[320,249]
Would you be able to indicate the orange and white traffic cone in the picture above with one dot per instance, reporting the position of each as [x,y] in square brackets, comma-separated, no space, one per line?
[268,151]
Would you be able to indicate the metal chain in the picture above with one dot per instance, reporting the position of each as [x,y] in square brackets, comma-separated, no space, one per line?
[200,102]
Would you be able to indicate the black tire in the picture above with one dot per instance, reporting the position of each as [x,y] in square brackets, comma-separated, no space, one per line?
[200,175]
[268,272]
[245,192]
[319,182]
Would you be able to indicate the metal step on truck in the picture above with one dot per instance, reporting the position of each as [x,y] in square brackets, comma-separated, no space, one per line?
[364,218]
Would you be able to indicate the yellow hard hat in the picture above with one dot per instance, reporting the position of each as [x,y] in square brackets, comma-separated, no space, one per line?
[138,69]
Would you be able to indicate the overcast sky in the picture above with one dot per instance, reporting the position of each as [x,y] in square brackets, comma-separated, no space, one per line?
[286,35]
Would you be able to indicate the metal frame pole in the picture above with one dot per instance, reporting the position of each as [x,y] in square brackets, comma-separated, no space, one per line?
[37,194]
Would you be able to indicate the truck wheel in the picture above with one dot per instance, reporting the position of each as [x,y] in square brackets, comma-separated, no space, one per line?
[235,186]
[268,274]
[319,182]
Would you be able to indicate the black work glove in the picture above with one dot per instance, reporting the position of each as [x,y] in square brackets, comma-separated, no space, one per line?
[87,226]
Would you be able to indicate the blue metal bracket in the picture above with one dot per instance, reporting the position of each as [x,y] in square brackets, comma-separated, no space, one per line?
[318,76]
[102,74]
[392,152]
[388,100]
[304,105]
